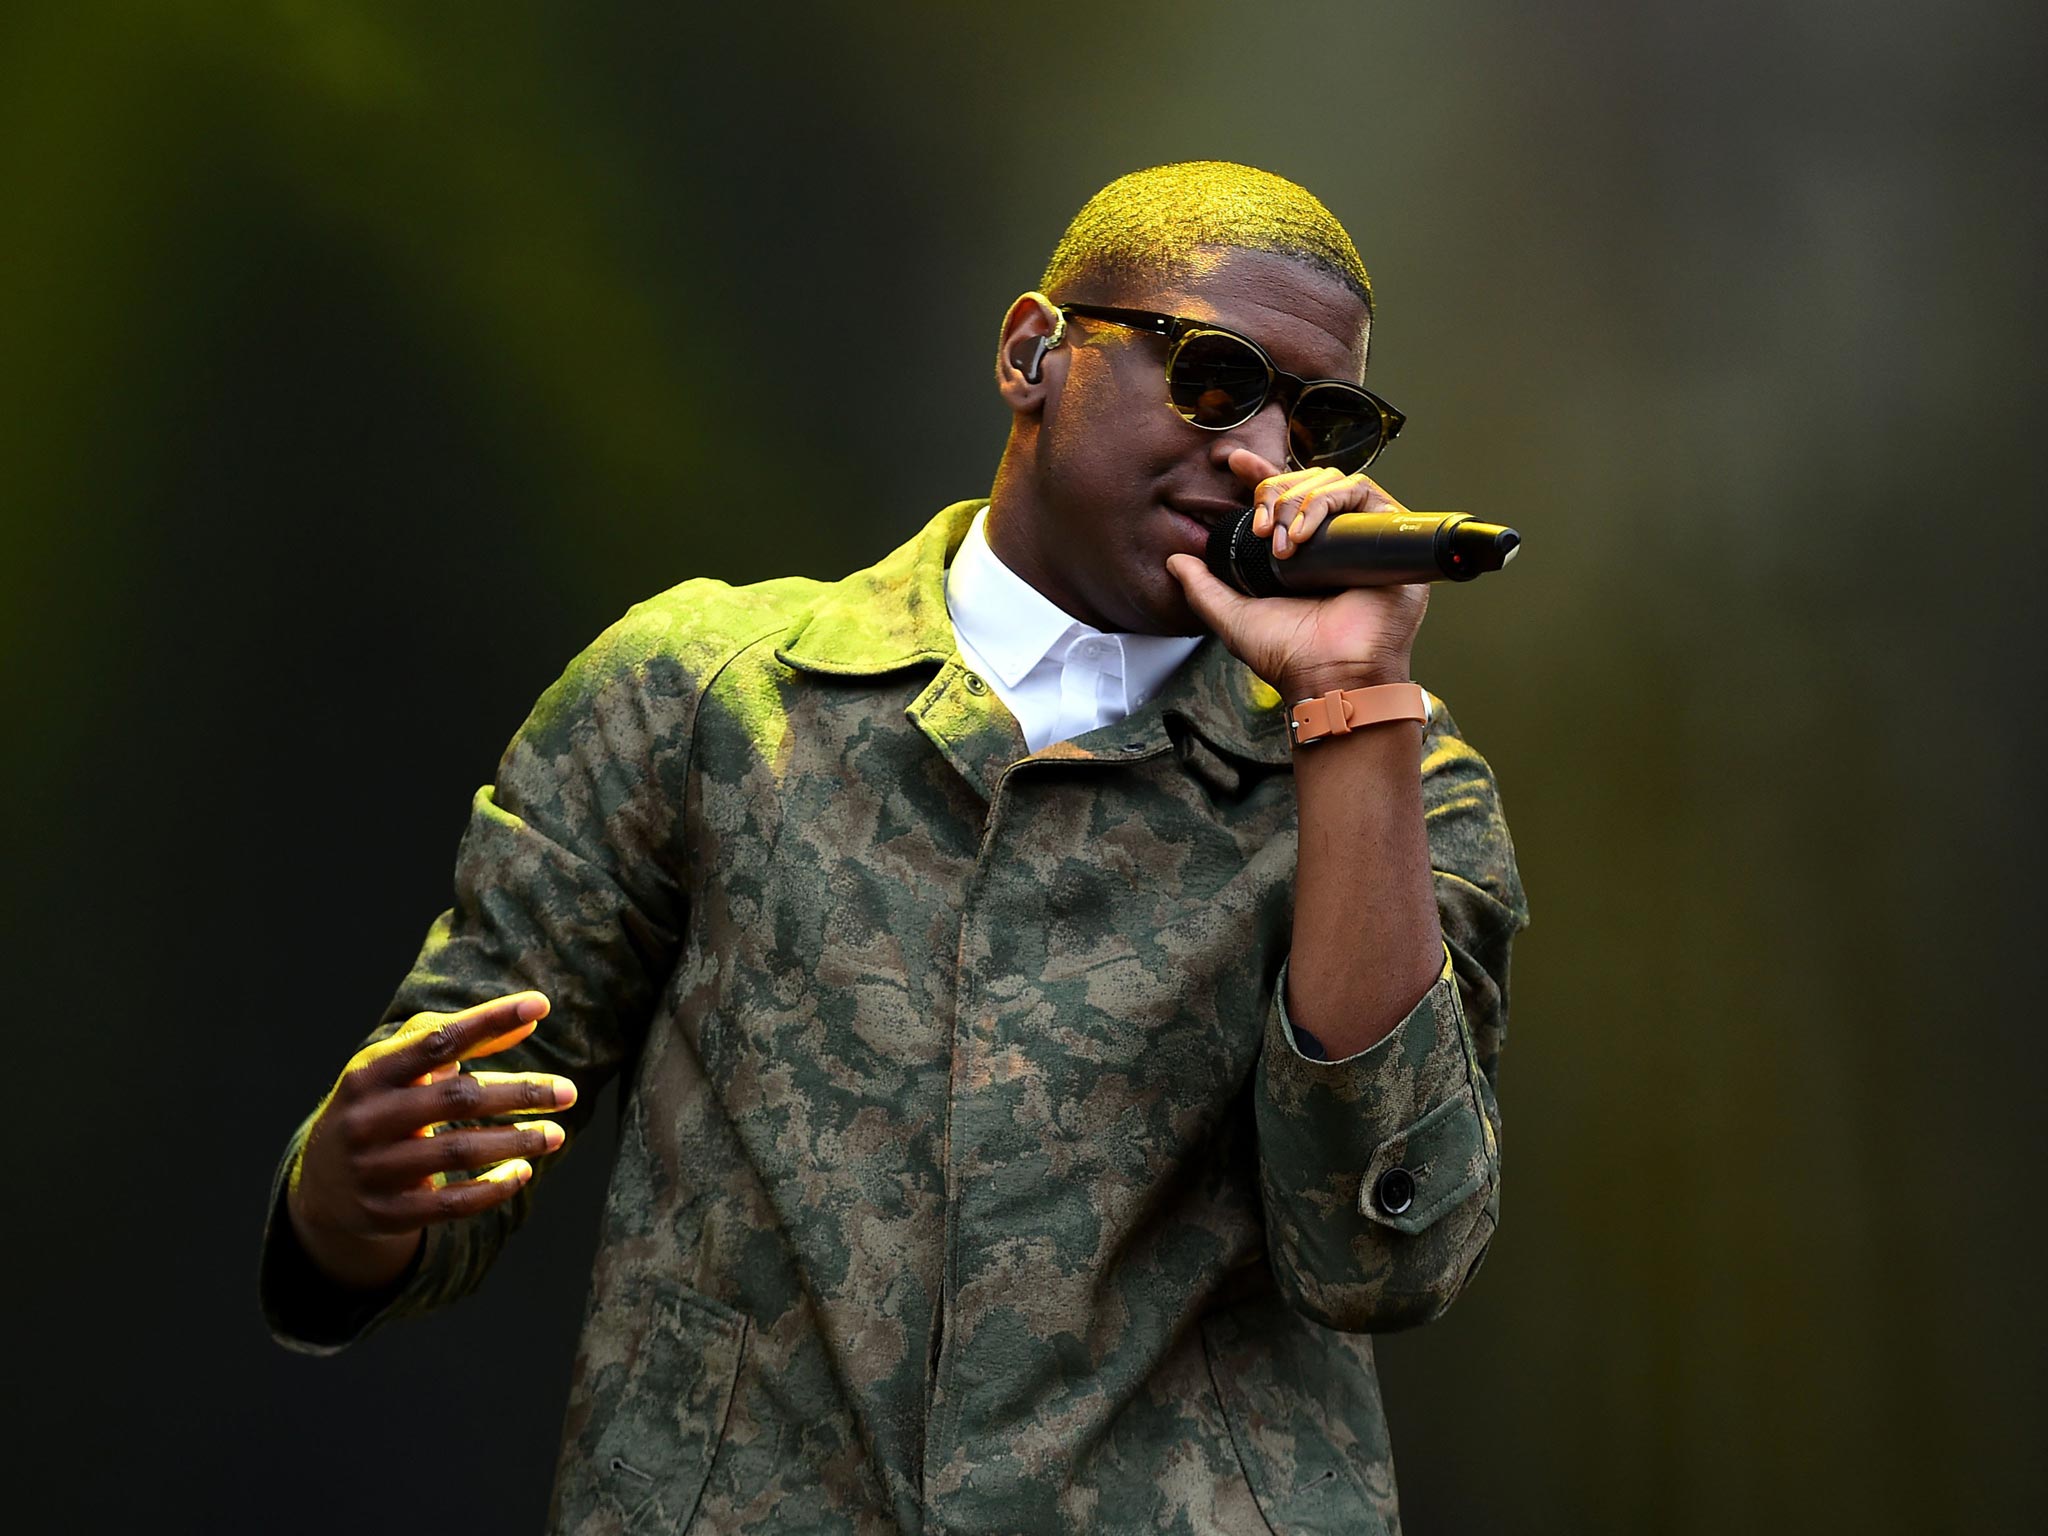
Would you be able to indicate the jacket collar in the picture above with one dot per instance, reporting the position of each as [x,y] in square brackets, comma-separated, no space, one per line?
[893,615]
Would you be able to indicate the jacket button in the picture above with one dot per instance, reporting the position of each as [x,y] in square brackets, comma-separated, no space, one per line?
[1395,1191]
[975,684]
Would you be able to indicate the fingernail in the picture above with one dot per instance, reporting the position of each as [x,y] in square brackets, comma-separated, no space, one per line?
[1294,528]
[565,1092]
[551,1134]
[1279,541]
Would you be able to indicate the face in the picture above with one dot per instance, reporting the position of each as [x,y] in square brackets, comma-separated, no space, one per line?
[1118,481]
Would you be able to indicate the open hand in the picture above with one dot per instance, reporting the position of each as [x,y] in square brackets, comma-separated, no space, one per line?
[364,1188]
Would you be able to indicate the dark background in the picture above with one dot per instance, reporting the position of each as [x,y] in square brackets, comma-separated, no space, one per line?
[358,365]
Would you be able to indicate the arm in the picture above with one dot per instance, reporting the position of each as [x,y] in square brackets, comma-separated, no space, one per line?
[1405,898]
[567,884]
[1380,1171]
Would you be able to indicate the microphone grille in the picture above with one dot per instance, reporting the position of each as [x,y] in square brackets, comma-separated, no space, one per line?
[1241,558]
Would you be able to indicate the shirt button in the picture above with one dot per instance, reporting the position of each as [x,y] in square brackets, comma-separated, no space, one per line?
[975,684]
[1395,1191]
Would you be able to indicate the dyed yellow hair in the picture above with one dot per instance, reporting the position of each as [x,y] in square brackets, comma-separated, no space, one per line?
[1150,223]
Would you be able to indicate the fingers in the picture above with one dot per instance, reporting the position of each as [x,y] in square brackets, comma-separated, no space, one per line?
[1292,506]
[1306,506]
[434,1040]
[1278,504]
[405,1111]
[563,1089]
[412,1160]
[422,1204]
[378,1159]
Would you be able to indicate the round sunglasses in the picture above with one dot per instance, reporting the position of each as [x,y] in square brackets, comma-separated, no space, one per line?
[1217,379]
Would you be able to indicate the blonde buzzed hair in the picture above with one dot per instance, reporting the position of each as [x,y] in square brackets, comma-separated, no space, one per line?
[1147,225]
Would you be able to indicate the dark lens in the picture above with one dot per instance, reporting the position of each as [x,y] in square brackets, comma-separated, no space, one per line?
[1336,425]
[1216,381]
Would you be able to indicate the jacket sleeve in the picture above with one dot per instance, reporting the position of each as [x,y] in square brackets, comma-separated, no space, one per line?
[1381,1172]
[569,880]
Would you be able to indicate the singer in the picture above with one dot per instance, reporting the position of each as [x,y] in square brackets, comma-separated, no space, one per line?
[1058,995]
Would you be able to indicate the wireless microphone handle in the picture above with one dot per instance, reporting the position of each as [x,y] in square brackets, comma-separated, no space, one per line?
[1362,549]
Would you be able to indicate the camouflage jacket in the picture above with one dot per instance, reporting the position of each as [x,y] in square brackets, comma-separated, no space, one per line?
[970,1178]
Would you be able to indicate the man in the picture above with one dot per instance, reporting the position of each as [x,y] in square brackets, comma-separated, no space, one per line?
[1041,1070]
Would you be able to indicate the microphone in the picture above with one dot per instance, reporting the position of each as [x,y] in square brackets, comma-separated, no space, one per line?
[1362,549]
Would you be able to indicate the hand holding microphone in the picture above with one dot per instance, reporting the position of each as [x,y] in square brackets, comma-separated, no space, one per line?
[1324,582]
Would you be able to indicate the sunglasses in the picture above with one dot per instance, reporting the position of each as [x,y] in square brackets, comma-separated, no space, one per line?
[1217,379]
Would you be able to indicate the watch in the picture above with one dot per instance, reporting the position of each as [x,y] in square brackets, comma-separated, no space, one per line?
[1344,710]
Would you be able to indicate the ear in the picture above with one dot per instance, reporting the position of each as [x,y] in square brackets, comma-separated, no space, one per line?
[1027,360]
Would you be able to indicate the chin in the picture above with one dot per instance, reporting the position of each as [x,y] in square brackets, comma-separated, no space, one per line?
[1168,613]
[1147,600]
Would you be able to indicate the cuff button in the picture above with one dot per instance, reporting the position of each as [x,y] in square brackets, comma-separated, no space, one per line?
[1395,1191]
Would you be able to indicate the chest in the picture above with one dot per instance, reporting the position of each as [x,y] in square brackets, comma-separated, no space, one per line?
[888,893]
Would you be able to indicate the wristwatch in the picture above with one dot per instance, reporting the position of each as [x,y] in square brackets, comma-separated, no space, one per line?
[1344,710]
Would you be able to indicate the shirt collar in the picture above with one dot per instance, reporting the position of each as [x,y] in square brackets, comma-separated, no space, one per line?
[1010,622]
[1013,626]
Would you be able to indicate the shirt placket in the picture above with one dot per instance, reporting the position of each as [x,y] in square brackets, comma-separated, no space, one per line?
[1091,685]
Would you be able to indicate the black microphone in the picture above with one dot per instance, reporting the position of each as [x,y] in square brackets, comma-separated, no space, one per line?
[1362,549]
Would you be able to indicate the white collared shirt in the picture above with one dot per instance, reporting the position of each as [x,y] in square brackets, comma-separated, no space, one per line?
[1060,678]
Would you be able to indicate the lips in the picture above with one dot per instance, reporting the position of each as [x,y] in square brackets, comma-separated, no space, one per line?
[1208,513]
[1192,523]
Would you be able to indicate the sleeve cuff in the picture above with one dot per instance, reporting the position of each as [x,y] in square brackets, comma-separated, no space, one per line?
[305,1309]
[1408,1117]
[1309,1048]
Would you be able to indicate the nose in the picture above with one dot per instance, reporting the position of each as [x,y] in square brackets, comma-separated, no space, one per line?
[1264,434]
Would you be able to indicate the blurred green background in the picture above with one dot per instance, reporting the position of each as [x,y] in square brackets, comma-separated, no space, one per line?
[357,365]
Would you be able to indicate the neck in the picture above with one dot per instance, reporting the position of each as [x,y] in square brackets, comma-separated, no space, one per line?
[1013,515]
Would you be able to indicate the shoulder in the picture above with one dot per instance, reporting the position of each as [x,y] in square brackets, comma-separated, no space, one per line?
[677,641]
[647,671]
[644,677]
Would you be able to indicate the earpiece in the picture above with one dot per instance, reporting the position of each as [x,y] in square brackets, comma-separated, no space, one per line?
[1033,367]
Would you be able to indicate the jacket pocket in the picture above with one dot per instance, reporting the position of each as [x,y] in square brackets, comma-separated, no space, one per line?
[653,1385]
[1303,1405]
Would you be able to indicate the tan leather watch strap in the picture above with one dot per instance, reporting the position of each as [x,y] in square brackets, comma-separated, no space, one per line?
[1344,710]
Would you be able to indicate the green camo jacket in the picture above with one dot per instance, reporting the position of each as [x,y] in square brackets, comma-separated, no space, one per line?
[970,1178]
